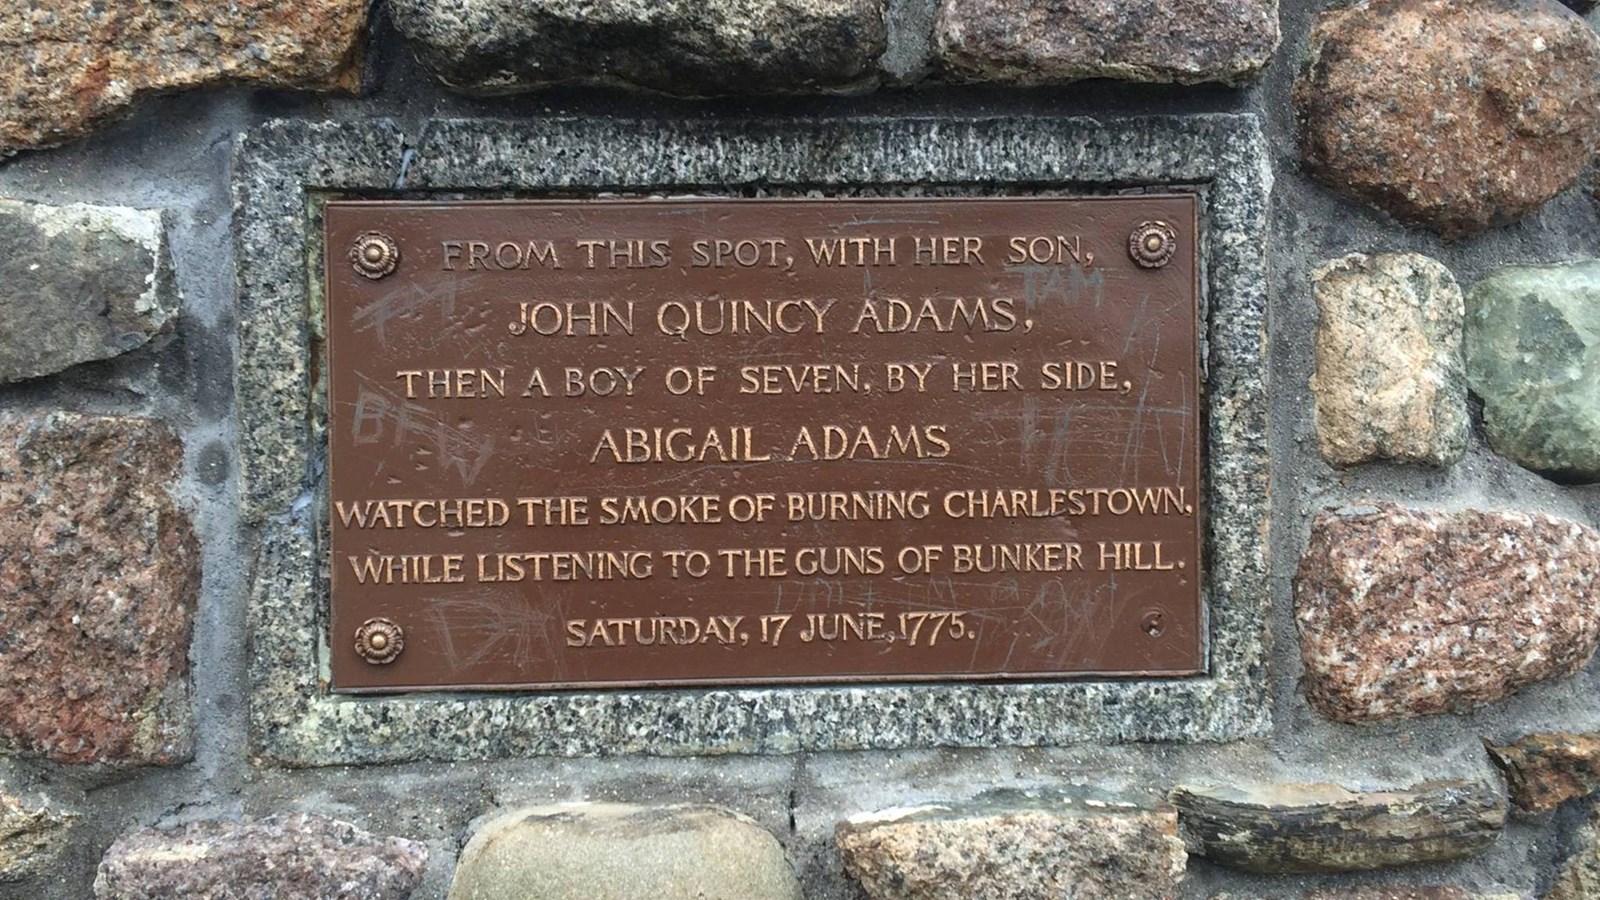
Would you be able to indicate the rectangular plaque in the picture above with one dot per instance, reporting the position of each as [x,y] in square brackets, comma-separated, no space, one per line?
[675,442]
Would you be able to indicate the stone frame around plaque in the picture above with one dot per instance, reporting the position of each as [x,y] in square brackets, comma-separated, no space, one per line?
[285,170]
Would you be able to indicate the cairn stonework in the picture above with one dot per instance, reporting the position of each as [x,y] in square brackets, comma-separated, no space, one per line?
[799,449]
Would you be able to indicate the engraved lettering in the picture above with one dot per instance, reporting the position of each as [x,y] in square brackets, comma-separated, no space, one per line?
[1048,250]
[573,318]
[666,442]
[937,314]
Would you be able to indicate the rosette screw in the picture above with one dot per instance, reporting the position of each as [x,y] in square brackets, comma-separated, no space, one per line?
[379,641]
[374,254]
[1152,244]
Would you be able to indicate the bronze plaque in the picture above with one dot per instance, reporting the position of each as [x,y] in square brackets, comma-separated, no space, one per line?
[674,442]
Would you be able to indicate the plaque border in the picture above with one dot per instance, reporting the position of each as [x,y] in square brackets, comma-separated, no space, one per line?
[285,169]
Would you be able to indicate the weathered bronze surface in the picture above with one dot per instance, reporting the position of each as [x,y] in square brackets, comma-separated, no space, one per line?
[590,443]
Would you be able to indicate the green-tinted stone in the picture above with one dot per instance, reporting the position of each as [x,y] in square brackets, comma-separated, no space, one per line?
[1533,355]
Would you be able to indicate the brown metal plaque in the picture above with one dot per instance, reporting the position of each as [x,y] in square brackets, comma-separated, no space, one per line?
[602,443]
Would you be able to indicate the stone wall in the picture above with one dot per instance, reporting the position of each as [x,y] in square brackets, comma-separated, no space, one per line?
[1427,723]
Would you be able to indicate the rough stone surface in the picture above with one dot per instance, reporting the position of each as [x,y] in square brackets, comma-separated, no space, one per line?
[281,166]
[995,849]
[1306,828]
[80,283]
[1547,769]
[1418,892]
[69,64]
[1053,41]
[1579,877]
[1452,114]
[99,572]
[1389,382]
[1533,355]
[32,836]
[296,857]
[581,850]
[1409,612]
[683,47]
[1391,892]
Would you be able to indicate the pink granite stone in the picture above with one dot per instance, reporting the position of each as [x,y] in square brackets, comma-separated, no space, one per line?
[99,572]
[1408,612]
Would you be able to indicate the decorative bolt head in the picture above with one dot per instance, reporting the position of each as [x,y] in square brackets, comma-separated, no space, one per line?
[374,254]
[1152,244]
[1154,623]
[379,641]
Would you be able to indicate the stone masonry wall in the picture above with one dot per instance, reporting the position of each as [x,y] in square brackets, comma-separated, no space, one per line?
[1434,333]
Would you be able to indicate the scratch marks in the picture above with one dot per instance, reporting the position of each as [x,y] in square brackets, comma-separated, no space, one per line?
[481,627]
[379,416]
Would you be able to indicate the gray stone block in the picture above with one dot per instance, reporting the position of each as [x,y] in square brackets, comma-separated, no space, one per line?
[1054,41]
[80,283]
[692,48]
[1280,829]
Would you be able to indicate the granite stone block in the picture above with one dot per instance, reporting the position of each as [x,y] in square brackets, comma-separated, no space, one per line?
[999,849]
[292,857]
[1545,769]
[1390,381]
[99,578]
[1055,41]
[691,48]
[1455,115]
[70,65]
[1406,612]
[283,170]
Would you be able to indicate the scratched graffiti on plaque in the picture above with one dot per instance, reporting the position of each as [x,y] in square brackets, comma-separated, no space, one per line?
[581,444]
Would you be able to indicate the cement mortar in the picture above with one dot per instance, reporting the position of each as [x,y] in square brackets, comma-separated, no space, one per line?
[173,152]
